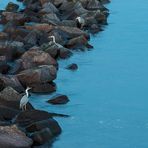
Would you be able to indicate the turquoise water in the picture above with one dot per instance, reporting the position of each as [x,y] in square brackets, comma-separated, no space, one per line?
[109,92]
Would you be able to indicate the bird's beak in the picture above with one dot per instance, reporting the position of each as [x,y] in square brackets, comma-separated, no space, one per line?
[29,88]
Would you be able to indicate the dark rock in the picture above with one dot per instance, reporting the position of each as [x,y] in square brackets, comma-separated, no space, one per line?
[12,7]
[72,66]
[42,136]
[43,87]
[42,74]
[77,42]
[7,114]
[50,123]
[12,137]
[58,99]
[28,117]
[4,67]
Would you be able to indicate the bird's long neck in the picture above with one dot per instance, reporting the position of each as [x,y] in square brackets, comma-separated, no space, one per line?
[27,94]
[53,38]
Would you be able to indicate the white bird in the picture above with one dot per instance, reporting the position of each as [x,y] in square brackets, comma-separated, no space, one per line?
[80,22]
[54,41]
[24,100]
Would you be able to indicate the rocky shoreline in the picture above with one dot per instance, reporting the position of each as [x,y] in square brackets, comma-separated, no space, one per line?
[29,57]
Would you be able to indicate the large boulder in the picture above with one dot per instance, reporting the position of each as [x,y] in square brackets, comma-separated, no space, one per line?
[73,32]
[41,137]
[34,57]
[10,81]
[27,118]
[41,74]
[43,87]
[12,137]
[49,123]
[9,94]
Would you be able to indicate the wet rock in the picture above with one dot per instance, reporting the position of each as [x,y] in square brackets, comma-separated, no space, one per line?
[50,123]
[64,53]
[11,136]
[77,42]
[72,66]
[42,74]
[58,99]
[26,118]
[12,7]
[42,136]
[43,87]
[34,57]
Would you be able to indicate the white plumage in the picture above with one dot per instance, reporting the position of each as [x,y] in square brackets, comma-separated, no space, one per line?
[54,41]
[81,21]
[24,100]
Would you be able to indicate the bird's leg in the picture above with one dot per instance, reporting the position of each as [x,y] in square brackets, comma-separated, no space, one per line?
[25,107]
[22,108]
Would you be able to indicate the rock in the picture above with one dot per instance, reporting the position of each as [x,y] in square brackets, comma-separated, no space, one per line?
[26,118]
[48,7]
[50,123]
[4,67]
[3,36]
[77,42]
[50,49]
[41,137]
[12,137]
[34,57]
[58,99]
[12,7]
[18,18]
[41,27]
[42,74]
[64,53]
[72,66]
[10,81]
[11,50]
[7,114]
[9,94]
[43,87]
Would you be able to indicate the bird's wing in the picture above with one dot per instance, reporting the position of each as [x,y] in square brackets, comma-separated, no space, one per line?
[24,100]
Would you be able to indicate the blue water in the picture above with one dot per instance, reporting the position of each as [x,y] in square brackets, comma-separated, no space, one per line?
[109,92]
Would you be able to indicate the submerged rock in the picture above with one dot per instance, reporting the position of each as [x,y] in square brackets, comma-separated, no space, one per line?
[58,99]
[72,66]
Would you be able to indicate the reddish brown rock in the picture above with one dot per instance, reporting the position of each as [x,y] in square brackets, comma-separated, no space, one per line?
[34,57]
[42,74]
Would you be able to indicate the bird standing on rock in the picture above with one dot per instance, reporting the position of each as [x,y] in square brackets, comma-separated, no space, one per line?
[80,22]
[24,100]
[54,41]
